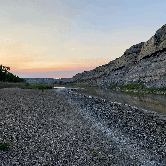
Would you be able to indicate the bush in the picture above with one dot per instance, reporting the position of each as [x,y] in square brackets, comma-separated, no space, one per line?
[7,76]
[4,146]
[113,86]
[42,87]
[133,86]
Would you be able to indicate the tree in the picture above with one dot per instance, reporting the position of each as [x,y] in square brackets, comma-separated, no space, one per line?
[3,72]
[7,76]
[4,68]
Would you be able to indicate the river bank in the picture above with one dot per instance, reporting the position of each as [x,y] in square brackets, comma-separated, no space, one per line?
[138,132]
[63,128]
[148,101]
[42,128]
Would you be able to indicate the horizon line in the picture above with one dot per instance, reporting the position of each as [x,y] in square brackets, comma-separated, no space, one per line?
[48,77]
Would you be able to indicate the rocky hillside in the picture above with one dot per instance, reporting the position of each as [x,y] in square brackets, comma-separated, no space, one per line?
[141,63]
[46,80]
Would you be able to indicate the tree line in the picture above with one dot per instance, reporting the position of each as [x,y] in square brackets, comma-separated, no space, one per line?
[6,76]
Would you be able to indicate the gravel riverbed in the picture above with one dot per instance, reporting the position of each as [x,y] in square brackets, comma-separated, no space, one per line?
[62,128]
[138,132]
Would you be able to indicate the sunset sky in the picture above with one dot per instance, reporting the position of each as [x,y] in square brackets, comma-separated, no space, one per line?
[60,38]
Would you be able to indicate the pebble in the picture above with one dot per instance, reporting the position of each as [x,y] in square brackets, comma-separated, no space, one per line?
[142,133]
[44,129]
[60,128]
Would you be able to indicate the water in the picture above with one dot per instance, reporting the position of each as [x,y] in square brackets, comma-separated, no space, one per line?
[125,144]
[58,89]
[134,148]
[150,102]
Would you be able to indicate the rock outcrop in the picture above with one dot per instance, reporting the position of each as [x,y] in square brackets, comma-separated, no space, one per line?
[141,63]
[156,43]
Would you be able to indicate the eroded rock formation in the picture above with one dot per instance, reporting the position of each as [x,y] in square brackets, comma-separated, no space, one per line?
[142,63]
[156,43]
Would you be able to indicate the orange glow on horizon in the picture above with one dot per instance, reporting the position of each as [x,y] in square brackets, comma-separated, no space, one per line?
[33,61]
[37,70]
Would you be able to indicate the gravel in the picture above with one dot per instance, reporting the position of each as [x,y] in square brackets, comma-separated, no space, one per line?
[138,132]
[62,128]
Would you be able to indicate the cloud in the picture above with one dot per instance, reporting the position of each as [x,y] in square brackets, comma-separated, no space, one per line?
[59,74]
[30,58]
[18,55]
[72,49]
[68,9]
[70,64]
[24,14]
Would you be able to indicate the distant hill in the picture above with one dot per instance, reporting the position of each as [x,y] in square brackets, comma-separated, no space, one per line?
[141,63]
[46,80]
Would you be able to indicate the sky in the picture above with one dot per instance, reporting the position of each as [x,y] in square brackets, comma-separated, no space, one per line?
[60,38]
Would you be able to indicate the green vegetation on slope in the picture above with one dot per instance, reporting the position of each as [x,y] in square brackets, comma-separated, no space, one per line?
[4,146]
[7,76]
[133,86]
[136,89]
[128,87]
[25,85]
[8,80]
[37,86]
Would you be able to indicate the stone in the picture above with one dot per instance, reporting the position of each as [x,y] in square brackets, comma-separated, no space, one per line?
[141,63]
[155,43]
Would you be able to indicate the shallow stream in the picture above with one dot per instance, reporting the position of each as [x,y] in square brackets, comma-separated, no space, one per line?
[148,101]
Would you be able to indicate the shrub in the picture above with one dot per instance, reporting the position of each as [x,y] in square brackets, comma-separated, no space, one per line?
[4,146]
[133,86]
[42,87]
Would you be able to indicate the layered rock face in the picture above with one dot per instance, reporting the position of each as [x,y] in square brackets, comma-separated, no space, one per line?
[142,63]
[156,43]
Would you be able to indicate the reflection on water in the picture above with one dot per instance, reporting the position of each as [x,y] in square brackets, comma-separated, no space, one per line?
[59,89]
[149,102]
[56,87]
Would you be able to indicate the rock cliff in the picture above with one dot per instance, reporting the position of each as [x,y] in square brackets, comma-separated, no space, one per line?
[141,63]
[156,43]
